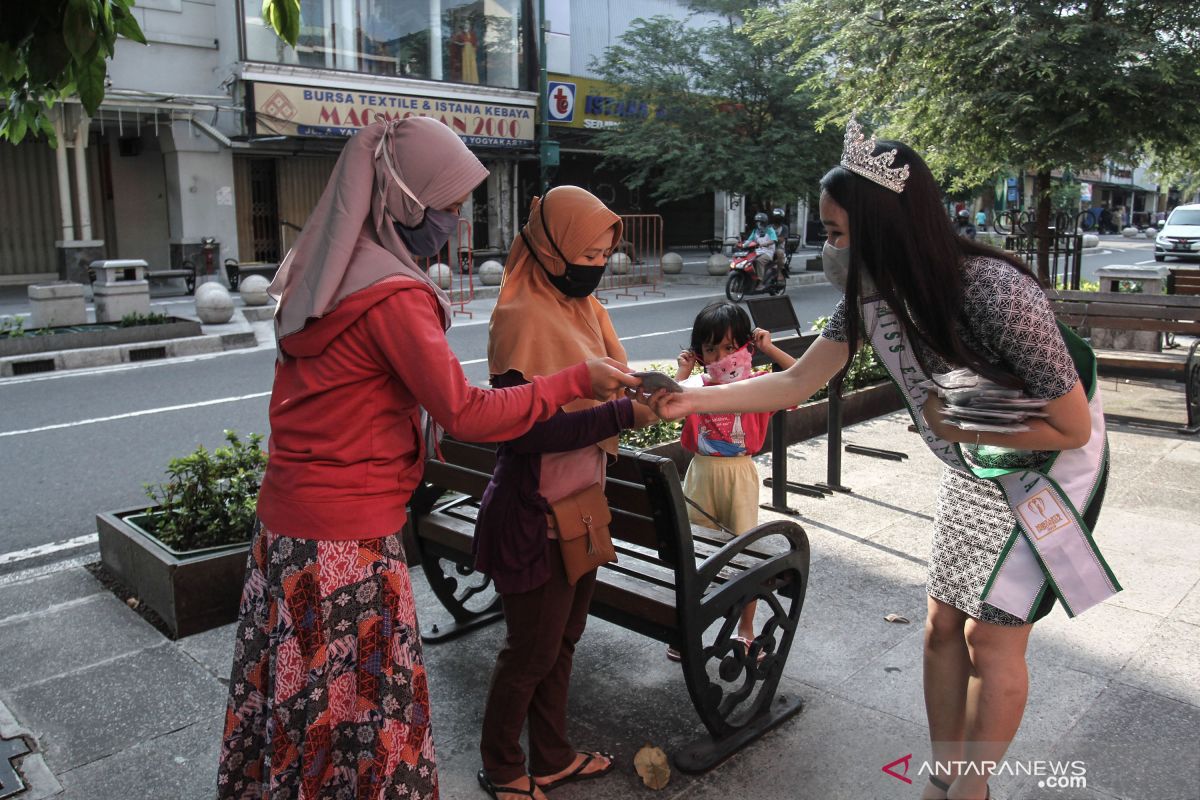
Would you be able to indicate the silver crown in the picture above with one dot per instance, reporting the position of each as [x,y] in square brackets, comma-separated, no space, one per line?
[857,157]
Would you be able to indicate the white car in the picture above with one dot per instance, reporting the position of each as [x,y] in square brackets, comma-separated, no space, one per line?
[1180,237]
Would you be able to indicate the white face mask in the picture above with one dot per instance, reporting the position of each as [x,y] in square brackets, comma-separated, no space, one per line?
[835,263]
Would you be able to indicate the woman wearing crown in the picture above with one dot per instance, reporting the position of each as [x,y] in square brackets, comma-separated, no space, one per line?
[930,302]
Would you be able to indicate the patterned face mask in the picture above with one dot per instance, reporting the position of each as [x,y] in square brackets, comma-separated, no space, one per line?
[733,367]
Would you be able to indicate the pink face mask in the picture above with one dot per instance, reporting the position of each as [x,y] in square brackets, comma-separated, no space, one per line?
[731,368]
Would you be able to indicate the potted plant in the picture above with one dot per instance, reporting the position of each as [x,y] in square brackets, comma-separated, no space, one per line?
[185,555]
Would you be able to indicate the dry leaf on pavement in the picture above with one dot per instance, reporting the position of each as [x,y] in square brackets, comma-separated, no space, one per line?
[651,763]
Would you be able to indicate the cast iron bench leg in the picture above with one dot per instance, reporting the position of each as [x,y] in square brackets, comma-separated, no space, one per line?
[742,702]
[1191,378]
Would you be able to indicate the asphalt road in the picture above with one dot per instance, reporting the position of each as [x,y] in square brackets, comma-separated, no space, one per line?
[72,444]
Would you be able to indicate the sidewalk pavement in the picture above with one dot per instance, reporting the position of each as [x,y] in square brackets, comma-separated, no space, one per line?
[112,710]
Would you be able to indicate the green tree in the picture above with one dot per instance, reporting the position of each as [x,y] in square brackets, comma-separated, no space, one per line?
[986,85]
[723,111]
[54,49]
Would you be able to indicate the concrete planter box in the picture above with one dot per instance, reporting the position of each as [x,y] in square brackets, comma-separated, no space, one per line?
[192,592]
[810,419]
[28,345]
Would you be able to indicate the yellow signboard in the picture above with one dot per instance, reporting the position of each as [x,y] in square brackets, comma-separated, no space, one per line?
[320,111]
[576,102]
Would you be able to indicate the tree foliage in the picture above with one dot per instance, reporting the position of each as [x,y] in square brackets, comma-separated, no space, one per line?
[725,111]
[988,84]
[54,49]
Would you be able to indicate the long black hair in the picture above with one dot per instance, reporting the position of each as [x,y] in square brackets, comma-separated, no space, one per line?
[908,246]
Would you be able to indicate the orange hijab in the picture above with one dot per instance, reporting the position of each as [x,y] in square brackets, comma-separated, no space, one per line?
[535,329]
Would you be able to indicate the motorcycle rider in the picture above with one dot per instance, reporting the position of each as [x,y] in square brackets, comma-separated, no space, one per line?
[765,237]
[779,223]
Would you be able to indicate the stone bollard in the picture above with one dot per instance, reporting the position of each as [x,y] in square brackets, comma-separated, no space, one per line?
[253,289]
[1091,240]
[672,263]
[491,272]
[56,304]
[718,264]
[214,306]
[619,264]
[1130,232]
[120,289]
[441,275]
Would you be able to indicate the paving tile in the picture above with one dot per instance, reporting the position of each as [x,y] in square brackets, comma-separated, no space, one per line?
[105,708]
[1166,663]
[1188,609]
[213,649]
[70,636]
[38,594]
[1133,744]
[181,765]
[1101,641]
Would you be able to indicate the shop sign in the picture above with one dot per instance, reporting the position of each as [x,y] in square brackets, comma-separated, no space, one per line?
[576,102]
[291,110]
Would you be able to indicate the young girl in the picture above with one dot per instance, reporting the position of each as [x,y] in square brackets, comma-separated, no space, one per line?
[722,480]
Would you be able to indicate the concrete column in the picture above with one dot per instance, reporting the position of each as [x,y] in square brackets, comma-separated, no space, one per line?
[66,217]
[81,181]
[435,40]
[199,183]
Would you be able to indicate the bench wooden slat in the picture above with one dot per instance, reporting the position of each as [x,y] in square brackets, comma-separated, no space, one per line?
[1130,298]
[1166,364]
[1126,324]
[1142,311]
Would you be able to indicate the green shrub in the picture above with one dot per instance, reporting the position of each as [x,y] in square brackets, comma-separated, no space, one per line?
[135,318]
[12,327]
[209,498]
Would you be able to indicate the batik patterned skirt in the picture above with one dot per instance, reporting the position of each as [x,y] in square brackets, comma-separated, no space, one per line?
[328,696]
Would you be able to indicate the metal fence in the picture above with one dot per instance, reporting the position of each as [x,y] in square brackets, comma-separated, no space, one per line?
[462,275]
[1065,240]
[642,244]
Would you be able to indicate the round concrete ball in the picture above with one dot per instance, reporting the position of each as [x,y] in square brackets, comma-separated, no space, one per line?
[619,264]
[214,306]
[253,289]
[441,275]
[1130,232]
[1091,240]
[1149,233]
[490,273]
[718,264]
[209,286]
[672,264]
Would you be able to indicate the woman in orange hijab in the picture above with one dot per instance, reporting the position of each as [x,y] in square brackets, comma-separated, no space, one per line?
[545,318]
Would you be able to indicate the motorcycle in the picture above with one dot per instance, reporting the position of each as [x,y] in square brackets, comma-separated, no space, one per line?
[744,279]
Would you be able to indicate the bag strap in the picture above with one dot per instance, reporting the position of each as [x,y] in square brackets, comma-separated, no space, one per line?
[709,516]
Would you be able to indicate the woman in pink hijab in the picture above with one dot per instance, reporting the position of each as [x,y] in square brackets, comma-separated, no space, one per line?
[328,694]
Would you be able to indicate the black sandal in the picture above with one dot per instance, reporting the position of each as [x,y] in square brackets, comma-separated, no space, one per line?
[495,791]
[578,774]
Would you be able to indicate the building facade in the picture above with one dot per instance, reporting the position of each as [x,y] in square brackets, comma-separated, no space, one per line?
[216,140]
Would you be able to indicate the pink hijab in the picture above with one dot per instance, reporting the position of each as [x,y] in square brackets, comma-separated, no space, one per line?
[349,241]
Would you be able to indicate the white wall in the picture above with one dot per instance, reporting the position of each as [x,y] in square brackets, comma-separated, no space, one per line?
[139,203]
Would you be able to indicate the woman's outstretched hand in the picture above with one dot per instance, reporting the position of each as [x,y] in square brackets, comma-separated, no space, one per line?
[609,378]
[672,405]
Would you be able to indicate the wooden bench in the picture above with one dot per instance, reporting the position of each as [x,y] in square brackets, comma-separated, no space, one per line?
[1140,312]
[187,271]
[234,270]
[681,585]
[1183,280]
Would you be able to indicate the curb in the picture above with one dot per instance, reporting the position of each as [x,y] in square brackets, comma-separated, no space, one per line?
[58,360]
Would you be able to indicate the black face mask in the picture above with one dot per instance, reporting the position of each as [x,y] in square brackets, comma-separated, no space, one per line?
[577,280]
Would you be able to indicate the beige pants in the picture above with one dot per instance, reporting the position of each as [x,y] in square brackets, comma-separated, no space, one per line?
[727,488]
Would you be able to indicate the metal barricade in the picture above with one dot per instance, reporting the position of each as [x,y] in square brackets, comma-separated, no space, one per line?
[462,280]
[642,243]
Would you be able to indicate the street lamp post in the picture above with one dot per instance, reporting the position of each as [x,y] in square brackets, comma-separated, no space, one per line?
[547,149]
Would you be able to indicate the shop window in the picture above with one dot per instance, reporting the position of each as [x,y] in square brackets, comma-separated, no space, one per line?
[463,41]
